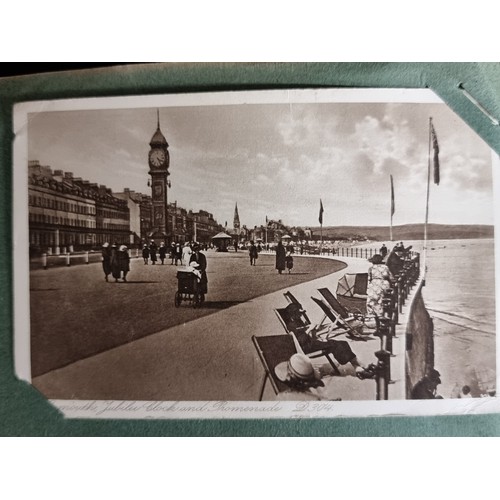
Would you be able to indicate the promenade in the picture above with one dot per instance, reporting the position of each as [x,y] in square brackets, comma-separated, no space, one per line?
[127,341]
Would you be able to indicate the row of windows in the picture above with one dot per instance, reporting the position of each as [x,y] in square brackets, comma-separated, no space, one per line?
[111,214]
[40,201]
[114,227]
[54,219]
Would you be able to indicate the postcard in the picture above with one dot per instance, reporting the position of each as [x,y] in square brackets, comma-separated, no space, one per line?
[312,253]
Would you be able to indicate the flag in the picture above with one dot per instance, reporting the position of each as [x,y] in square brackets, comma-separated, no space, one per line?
[321,212]
[266,220]
[393,207]
[435,147]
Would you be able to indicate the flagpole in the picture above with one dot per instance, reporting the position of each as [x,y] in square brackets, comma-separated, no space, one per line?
[427,198]
[392,207]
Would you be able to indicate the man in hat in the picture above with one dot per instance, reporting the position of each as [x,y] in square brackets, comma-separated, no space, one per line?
[426,387]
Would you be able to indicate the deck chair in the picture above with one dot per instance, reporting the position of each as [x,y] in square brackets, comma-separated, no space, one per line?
[352,292]
[293,300]
[272,350]
[339,319]
[295,324]
[343,312]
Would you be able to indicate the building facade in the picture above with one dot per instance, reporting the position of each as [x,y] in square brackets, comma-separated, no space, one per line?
[141,208]
[68,214]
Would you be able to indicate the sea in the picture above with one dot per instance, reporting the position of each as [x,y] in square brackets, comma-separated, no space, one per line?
[459,294]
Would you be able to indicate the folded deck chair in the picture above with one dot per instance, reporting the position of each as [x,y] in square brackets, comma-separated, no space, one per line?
[292,319]
[272,350]
[352,325]
[352,292]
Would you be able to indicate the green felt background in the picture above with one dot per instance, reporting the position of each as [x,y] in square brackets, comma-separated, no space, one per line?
[24,412]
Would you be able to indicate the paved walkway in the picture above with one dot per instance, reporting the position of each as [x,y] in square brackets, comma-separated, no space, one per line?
[209,358]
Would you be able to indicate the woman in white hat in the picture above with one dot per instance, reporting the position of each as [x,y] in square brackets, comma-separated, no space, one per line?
[301,377]
[123,261]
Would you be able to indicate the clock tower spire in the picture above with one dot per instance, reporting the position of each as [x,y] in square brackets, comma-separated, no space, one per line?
[159,163]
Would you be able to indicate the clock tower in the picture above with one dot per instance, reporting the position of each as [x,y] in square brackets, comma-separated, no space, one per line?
[159,162]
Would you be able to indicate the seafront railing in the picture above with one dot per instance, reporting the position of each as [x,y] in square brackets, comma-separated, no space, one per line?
[405,278]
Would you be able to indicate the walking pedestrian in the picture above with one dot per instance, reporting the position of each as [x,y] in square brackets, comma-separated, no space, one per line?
[178,253]
[280,257]
[106,260]
[254,254]
[383,251]
[115,264]
[162,251]
[145,254]
[123,261]
[172,253]
[289,260]
[152,252]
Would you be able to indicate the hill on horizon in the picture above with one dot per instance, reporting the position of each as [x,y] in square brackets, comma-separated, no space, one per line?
[408,232]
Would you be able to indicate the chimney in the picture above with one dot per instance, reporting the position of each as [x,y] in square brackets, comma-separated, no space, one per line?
[68,175]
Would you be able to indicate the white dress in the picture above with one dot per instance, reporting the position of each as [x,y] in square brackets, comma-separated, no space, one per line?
[186,255]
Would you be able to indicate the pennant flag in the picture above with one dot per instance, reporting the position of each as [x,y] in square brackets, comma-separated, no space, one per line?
[435,147]
[266,220]
[321,211]
[393,207]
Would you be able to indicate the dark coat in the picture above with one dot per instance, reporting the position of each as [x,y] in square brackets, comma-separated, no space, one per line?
[145,253]
[115,264]
[162,251]
[106,260]
[123,260]
[202,267]
[253,251]
[424,389]
[152,252]
[280,257]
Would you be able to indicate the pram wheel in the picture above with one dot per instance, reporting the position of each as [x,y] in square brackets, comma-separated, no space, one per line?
[177,299]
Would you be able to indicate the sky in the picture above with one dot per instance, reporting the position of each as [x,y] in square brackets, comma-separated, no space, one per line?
[279,160]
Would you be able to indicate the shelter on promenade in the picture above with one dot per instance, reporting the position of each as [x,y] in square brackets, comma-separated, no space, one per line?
[221,241]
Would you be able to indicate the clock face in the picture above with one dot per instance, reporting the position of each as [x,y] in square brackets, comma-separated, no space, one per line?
[157,158]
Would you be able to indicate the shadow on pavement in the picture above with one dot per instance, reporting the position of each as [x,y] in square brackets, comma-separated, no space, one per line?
[129,282]
[223,304]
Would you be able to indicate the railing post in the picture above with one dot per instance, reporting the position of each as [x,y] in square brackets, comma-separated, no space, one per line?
[382,376]
[87,257]
[44,260]
[68,259]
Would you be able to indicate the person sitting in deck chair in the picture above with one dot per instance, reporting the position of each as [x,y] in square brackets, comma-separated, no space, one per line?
[310,339]
[305,380]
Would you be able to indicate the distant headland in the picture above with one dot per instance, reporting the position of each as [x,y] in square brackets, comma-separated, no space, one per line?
[407,232]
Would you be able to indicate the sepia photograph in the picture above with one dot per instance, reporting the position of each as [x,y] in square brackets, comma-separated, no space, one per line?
[259,254]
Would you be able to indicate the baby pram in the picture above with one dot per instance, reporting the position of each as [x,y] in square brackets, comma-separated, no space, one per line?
[188,288]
